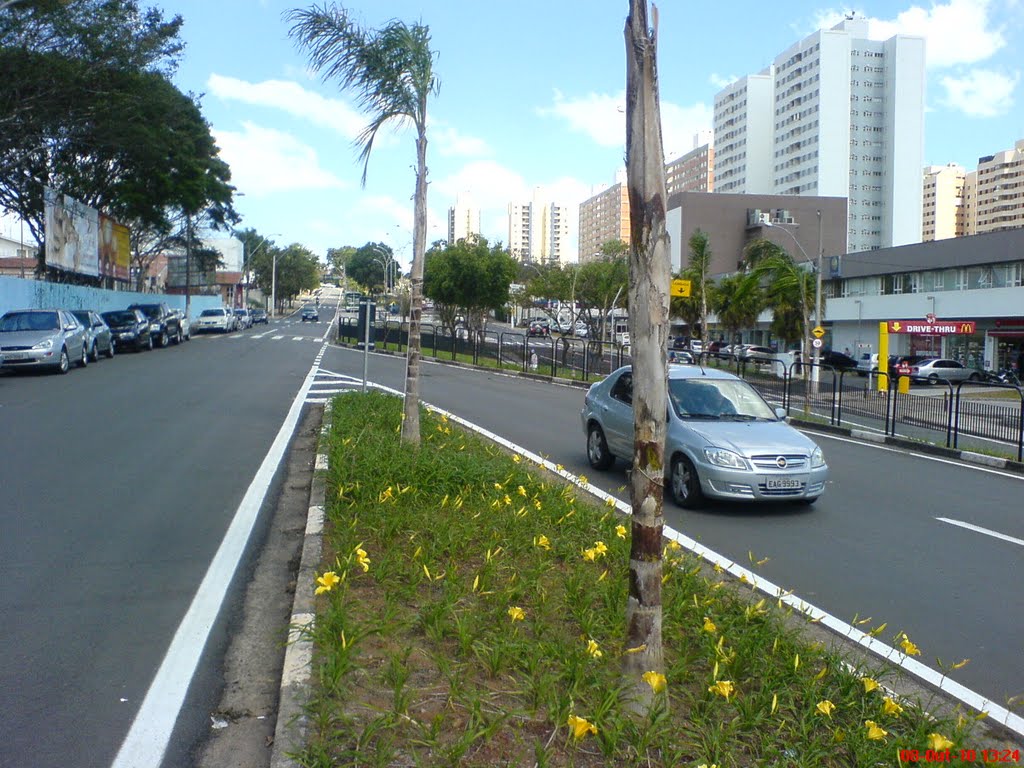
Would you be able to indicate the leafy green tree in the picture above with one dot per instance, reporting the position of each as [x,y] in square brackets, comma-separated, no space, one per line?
[693,309]
[599,287]
[469,277]
[391,71]
[737,300]
[338,258]
[298,270]
[366,266]
[789,290]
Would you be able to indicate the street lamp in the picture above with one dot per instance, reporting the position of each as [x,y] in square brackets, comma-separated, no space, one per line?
[248,256]
[817,298]
[387,265]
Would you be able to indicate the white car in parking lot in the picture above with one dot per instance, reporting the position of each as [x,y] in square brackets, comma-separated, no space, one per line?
[219,319]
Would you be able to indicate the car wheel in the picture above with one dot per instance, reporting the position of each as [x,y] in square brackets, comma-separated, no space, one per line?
[94,353]
[84,361]
[64,365]
[933,379]
[149,343]
[684,483]
[110,350]
[597,448]
[177,339]
[974,377]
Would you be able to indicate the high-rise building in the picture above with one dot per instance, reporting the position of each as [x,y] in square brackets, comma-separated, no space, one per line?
[846,117]
[999,193]
[463,220]
[694,171]
[539,231]
[604,217]
[943,202]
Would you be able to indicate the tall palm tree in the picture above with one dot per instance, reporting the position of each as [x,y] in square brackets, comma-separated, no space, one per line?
[737,300]
[391,72]
[789,290]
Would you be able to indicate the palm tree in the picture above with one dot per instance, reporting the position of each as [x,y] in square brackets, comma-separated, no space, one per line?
[737,300]
[789,290]
[693,309]
[391,71]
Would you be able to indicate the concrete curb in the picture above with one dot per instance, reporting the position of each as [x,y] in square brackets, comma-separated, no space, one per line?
[291,732]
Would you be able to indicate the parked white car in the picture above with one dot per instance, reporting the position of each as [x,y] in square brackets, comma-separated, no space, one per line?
[220,320]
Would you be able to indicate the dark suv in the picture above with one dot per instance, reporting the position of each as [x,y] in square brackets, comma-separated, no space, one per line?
[164,325]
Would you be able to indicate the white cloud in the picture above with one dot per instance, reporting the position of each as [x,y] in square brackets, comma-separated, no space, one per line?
[720,81]
[602,117]
[489,184]
[451,143]
[264,161]
[981,93]
[956,32]
[292,98]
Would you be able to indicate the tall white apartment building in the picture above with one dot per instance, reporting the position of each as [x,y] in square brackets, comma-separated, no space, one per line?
[998,201]
[943,202]
[463,220]
[846,118]
[539,231]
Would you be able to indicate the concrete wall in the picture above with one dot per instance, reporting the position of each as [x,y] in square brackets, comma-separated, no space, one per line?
[16,293]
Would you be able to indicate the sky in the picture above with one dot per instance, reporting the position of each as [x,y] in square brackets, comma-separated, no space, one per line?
[532,94]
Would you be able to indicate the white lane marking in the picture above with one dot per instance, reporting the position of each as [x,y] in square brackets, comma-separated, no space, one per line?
[939,680]
[276,338]
[147,739]
[979,529]
[298,338]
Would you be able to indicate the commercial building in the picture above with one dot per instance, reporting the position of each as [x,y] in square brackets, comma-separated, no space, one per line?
[997,192]
[539,231]
[943,209]
[693,172]
[846,119]
[733,221]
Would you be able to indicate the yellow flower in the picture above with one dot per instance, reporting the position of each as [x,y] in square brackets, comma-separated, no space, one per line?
[796,662]
[610,502]
[620,531]
[516,613]
[938,742]
[521,491]
[590,554]
[536,503]
[775,703]
[326,582]
[908,647]
[542,542]
[604,573]
[826,707]
[656,680]
[890,707]
[600,548]
[705,765]
[583,480]
[559,467]
[581,727]
[878,630]
[498,486]
[362,559]
[869,684]
[875,732]
[517,458]
[961,664]
[709,625]
[594,649]
[723,688]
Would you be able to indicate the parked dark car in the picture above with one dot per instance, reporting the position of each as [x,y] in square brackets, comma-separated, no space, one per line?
[101,338]
[310,313]
[130,328]
[259,316]
[838,360]
[163,323]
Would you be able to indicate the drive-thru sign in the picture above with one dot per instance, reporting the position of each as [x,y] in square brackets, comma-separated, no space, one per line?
[934,328]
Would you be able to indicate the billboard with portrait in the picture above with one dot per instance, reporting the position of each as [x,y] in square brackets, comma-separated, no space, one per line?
[115,250]
[72,234]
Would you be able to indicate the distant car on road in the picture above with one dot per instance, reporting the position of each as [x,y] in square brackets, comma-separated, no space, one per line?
[163,323]
[259,316]
[101,338]
[312,314]
[43,338]
[243,318]
[130,328]
[539,328]
[722,439]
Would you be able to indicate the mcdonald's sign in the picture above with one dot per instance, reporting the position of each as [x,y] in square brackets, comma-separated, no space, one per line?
[937,328]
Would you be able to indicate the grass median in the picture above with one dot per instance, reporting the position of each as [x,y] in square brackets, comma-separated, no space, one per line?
[471,612]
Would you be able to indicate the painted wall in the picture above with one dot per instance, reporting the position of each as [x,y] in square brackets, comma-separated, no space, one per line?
[16,293]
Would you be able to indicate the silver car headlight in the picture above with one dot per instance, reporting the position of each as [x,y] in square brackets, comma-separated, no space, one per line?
[817,458]
[723,458]
[44,344]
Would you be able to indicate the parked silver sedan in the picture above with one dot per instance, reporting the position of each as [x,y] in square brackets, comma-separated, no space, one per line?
[100,337]
[936,369]
[43,338]
[723,440]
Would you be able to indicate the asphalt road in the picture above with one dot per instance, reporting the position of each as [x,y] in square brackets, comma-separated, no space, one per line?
[871,547]
[117,484]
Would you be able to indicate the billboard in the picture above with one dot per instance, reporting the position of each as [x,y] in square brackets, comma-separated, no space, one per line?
[197,279]
[72,234]
[115,250]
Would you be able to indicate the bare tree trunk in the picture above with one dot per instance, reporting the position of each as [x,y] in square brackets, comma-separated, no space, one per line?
[649,265]
[411,408]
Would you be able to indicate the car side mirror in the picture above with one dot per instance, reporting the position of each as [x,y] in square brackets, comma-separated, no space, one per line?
[780,414]
[70,327]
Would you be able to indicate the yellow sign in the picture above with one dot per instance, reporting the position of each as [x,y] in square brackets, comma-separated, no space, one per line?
[680,288]
[818,331]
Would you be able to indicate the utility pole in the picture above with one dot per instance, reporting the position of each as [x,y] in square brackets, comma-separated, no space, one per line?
[817,303]
[188,264]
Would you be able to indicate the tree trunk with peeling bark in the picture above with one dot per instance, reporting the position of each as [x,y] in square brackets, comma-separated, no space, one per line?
[411,407]
[649,266]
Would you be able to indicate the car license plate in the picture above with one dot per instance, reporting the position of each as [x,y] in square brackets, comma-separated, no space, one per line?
[15,356]
[781,483]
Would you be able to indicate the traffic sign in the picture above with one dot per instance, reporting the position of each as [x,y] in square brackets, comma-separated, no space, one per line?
[680,288]
[818,331]
[817,343]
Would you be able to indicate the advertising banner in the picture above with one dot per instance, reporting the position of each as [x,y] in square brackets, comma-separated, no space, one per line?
[197,279]
[72,234]
[115,249]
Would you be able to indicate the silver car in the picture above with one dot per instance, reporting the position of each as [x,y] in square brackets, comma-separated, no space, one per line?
[220,319]
[936,369]
[43,338]
[723,440]
[101,338]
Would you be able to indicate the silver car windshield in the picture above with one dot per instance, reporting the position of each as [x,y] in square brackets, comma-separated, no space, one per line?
[30,321]
[717,399]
